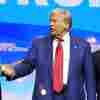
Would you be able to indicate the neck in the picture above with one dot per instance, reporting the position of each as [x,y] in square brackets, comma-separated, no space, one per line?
[59,36]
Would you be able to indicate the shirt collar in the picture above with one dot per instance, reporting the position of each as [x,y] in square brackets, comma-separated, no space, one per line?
[66,36]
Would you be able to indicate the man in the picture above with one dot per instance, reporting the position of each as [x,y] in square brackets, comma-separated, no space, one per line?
[62,62]
[96,59]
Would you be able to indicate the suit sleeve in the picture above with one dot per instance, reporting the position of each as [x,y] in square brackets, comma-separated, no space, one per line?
[28,64]
[89,74]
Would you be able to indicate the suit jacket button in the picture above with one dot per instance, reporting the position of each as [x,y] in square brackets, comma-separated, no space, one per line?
[43,91]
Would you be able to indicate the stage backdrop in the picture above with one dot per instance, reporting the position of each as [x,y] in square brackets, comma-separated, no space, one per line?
[22,20]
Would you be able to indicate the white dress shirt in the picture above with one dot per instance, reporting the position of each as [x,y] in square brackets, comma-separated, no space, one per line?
[66,52]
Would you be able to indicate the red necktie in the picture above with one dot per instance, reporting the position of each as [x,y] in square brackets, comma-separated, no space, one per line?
[58,69]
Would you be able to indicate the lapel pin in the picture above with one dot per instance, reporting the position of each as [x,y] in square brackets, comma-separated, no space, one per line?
[75,46]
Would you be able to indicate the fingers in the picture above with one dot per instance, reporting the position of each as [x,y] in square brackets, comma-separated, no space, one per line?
[8,70]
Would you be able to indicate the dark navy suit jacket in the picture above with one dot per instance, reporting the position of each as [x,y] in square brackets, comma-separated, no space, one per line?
[81,69]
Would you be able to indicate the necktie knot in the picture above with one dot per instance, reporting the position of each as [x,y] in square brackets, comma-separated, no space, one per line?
[60,43]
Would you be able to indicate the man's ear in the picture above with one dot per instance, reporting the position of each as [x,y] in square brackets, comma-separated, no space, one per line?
[66,23]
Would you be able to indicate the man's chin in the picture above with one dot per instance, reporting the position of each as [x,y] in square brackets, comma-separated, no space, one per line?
[56,36]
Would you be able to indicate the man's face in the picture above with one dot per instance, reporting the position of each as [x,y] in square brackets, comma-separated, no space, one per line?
[58,23]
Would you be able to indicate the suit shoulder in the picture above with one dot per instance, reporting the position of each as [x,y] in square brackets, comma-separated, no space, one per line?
[80,41]
[38,39]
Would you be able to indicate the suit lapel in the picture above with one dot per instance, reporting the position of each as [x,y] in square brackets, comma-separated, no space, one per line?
[71,57]
[50,53]
[74,53]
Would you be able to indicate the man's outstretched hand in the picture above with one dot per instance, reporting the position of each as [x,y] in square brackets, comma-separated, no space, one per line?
[7,70]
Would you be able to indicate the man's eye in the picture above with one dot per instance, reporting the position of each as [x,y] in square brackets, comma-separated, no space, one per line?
[53,20]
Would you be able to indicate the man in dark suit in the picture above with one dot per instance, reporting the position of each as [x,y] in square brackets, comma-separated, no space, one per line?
[62,62]
[96,59]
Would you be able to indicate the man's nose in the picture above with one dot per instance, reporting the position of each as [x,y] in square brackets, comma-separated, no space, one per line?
[51,23]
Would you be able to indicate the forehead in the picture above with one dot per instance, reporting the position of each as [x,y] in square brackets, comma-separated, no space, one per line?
[60,14]
[57,15]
